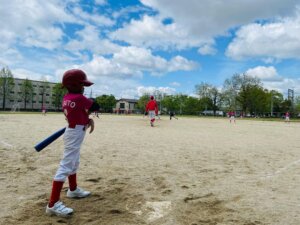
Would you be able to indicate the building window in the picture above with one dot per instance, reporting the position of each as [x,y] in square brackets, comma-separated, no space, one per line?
[122,105]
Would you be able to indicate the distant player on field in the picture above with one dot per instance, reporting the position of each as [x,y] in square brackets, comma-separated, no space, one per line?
[44,111]
[172,114]
[287,117]
[152,110]
[231,115]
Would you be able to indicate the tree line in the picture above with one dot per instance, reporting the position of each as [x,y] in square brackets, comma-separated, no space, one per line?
[240,93]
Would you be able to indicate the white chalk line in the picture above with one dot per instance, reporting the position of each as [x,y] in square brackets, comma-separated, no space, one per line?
[6,144]
[282,169]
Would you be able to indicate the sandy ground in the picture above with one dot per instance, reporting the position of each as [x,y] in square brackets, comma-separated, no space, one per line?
[191,171]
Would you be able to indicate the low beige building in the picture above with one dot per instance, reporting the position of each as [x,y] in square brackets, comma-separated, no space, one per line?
[126,106]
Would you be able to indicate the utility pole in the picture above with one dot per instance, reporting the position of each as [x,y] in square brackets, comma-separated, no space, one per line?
[291,97]
[271,104]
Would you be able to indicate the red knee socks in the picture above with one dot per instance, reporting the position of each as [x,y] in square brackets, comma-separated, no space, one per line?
[56,189]
[57,186]
[72,182]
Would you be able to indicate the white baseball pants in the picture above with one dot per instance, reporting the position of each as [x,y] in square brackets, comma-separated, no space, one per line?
[69,164]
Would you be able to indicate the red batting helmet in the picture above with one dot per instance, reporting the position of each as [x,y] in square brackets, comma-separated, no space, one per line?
[74,79]
[151,97]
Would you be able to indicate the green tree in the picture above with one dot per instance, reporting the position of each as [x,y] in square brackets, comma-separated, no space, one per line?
[43,90]
[170,103]
[286,105]
[106,102]
[253,99]
[211,94]
[192,106]
[142,102]
[274,102]
[26,91]
[231,88]
[58,93]
[297,105]
[6,85]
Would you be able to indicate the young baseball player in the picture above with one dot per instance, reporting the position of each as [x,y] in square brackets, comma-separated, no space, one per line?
[287,117]
[152,110]
[43,110]
[76,108]
[231,115]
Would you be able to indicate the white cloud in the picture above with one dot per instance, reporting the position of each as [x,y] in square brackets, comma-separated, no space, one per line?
[284,85]
[151,90]
[135,61]
[273,81]
[124,12]
[265,73]
[276,40]
[88,39]
[100,2]
[175,84]
[196,22]
[120,88]
[151,32]
[207,50]
[132,62]
[95,19]
[31,23]
[26,74]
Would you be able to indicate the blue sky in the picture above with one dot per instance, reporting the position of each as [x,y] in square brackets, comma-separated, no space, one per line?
[128,48]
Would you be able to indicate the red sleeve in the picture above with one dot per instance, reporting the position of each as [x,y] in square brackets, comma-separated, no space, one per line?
[86,103]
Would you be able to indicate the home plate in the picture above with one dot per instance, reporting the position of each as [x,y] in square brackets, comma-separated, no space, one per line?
[154,210]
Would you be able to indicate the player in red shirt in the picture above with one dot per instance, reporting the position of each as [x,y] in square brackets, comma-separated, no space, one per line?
[287,117]
[152,110]
[231,115]
[76,108]
[43,110]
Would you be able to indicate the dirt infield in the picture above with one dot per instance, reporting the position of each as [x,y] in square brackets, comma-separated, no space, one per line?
[191,171]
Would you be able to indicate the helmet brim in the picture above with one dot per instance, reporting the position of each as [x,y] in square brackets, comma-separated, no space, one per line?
[87,83]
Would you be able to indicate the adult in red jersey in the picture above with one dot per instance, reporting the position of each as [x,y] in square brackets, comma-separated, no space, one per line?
[76,108]
[152,110]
